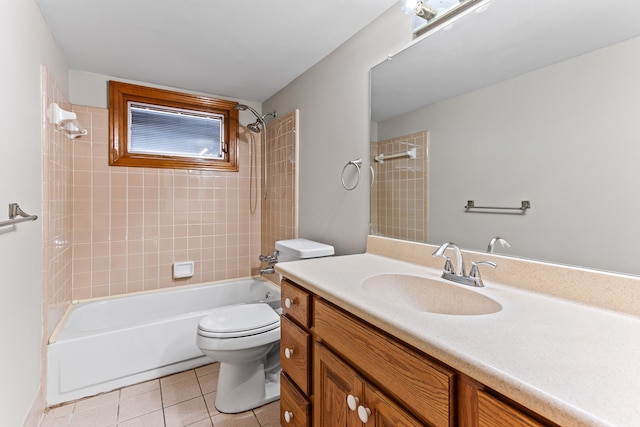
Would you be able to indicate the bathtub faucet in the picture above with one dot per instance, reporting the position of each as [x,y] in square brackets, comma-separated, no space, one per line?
[268,270]
[271,260]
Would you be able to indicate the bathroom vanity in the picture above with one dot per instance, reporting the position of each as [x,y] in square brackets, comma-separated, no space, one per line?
[354,354]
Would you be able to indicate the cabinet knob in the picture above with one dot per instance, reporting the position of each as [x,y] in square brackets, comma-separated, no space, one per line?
[288,352]
[352,402]
[288,416]
[288,302]
[363,413]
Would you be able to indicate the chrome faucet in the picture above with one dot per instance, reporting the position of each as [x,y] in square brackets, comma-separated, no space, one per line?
[458,274]
[459,266]
[271,260]
[268,270]
[495,240]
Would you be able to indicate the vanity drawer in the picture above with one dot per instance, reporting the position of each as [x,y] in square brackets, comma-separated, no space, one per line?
[419,384]
[294,353]
[492,411]
[296,303]
[295,408]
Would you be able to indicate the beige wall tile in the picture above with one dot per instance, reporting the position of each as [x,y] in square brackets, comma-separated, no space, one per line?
[148,218]
[399,199]
[280,208]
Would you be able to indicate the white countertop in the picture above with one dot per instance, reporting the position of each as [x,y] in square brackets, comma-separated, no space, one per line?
[571,363]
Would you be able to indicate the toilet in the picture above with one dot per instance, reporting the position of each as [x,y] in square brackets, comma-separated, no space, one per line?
[245,339]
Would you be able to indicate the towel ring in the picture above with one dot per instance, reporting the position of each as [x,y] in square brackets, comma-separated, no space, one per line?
[357,163]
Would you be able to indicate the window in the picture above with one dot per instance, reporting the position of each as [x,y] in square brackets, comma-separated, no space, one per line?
[158,128]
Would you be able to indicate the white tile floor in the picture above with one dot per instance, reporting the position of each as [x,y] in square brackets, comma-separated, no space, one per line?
[179,400]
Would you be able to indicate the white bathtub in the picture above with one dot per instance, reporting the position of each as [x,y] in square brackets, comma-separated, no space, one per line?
[111,343]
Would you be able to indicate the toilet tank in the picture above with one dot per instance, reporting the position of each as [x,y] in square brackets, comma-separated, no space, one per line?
[296,249]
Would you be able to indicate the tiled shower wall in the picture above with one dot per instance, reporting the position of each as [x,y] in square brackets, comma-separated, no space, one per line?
[131,224]
[399,199]
[279,219]
[57,178]
[116,230]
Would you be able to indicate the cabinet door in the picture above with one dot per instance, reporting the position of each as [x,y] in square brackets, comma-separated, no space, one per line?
[294,353]
[295,410]
[386,413]
[493,412]
[334,384]
[296,303]
[419,384]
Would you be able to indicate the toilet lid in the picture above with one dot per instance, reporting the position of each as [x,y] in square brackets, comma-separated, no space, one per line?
[240,319]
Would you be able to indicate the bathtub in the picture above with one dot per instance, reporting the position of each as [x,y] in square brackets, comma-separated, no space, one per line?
[114,342]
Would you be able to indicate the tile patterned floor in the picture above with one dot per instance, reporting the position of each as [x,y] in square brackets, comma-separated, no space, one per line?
[179,400]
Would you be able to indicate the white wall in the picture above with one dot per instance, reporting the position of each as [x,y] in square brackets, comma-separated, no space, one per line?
[333,99]
[92,90]
[25,43]
[565,137]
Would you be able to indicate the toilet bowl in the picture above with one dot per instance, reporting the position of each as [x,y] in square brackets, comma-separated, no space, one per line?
[245,339]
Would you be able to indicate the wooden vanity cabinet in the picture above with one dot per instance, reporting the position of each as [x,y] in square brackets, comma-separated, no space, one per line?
[421,385]
[343,398]
[495,412]
[295,356]
[295,345]
[340,370]
[295,408]
[480,407]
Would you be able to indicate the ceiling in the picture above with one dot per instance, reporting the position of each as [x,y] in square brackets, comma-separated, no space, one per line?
[241,49]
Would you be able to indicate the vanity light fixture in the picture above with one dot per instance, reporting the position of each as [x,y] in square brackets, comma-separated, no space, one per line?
[418,8]
[426,13]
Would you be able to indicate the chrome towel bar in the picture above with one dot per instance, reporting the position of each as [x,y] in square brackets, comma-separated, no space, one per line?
[380,158]
[525,204]
[17,215]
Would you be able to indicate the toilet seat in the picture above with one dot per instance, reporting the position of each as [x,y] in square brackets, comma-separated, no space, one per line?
[239,321]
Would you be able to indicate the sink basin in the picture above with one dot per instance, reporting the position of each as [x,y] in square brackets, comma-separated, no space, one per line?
[424,294]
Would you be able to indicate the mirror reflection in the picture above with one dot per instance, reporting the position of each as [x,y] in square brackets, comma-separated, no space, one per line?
[501,107]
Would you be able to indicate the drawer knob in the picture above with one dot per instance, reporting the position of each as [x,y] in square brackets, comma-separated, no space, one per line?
[288,416]
[352,402]
[288,352]
[288,302]
[363,413]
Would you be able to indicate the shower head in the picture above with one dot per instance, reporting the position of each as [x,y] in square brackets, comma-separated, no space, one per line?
[258,125]
[255,126]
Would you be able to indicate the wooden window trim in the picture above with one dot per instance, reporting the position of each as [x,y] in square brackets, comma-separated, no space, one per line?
[120,94]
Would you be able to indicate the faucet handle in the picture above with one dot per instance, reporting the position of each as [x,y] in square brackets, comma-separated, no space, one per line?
[270,258]
[448,267]
[474,273]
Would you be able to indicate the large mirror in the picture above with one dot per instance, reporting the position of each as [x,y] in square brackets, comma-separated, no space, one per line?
[517,101]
